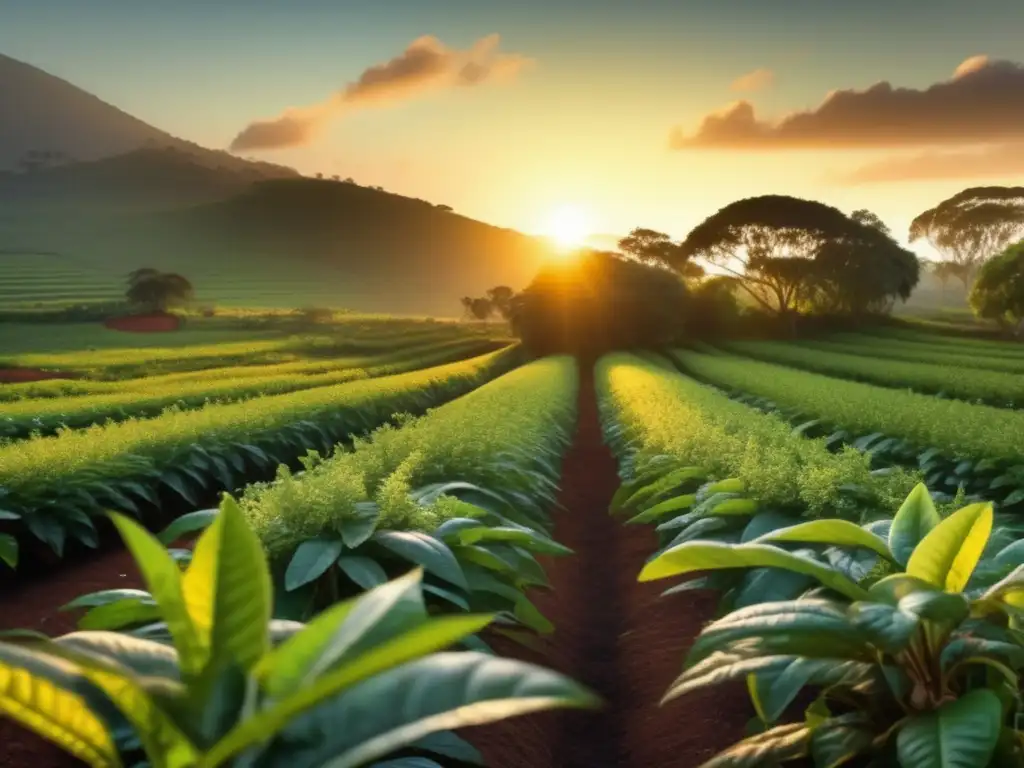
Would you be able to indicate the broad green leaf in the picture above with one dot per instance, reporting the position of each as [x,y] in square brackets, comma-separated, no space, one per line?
[190,523]
[894,588]
[668,483]
[699,556]
[398,651]
[364,571]
[441,692]
[528,613]
[781,743]
[345,629]
[104,597]
[945,607]
[312,559]
[529,540]
[946,557]
[663,508]
[56,714]
[735,507]
[839,739]
[48,530]
[9,550]
[227,589]
[433,555]
[959,734]
[837,533]
[915,519]
[886,626]
[357,527]
[163,578]
[448,744]
[124,613]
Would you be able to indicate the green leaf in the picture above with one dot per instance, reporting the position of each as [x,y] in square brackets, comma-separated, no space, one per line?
[698,556]
[143,657]
[56,714]
[47,529]
[527,539]
[946,557]
[104,597]
[838,533]
[365,572]
[915,519]
[839,739]
[9,550]
[193,521]
[311,560]
[894,588]
[163,578]
[227,589]
[124,613]
[357,527]
[782,743]
[663,508]
[530,616]
[424,550]
[959,734]
[389,712]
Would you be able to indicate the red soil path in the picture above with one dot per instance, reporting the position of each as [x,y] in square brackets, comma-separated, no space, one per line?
[153,323]
[20,375]
[614,634]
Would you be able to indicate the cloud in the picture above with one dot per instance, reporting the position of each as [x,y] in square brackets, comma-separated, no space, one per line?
[982,102]
[425,65]
[753,81]
[1001,160]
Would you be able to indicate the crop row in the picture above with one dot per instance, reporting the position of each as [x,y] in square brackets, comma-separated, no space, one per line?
[918,353]
[19,420]
[949,343]
[361,517]
[1004,390]
[664,424]
[52,485]
[954,444]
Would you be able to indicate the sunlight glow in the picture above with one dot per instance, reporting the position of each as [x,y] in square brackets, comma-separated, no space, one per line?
[569,226]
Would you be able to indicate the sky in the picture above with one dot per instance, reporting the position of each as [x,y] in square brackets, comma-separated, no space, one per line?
[651,113]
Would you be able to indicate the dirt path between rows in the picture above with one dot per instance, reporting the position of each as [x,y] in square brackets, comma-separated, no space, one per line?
[617,636]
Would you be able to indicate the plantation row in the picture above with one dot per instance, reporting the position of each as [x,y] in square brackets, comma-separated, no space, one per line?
[966,383]
[910,352]
[51,486]
[952,443]
[464,493]
[892,623]
[19,420]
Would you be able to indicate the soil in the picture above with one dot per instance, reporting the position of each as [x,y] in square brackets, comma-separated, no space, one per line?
[20,375]
[614,634]
[156,322]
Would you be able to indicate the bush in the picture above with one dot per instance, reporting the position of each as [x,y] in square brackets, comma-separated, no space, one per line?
[599,302]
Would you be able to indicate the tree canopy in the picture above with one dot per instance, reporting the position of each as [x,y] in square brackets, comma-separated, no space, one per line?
[971,226]
[790,254]
[597,302]
[998,293]
[157,291]
[656,249]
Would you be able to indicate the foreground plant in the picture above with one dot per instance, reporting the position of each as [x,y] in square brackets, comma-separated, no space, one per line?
[235,688]
[912,669]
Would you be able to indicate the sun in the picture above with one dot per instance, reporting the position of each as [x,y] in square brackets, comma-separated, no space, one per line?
[569,226]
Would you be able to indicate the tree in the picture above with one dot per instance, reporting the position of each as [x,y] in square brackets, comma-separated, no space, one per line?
[865,270]
[998,293]
[971,226]
[656,249]
[445,208]
[598,302]
[157,291]
[501,299]
[481,308]
[945,270]
[769,244]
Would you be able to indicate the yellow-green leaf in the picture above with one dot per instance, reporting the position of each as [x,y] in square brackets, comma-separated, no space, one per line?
[57,715]
[838,533]
[947,556]
[163,578]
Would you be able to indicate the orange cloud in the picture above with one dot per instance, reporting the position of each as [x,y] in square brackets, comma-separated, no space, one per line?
[753,81]
[425,65]
[982,102]
[1003,160]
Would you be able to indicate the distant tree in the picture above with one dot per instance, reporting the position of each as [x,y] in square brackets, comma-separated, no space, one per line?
[868,218]
[945,270]
[319,175]
[768,244]
[971,226]
[349,180]
[445,208]
[157,291]
[599,302]
[481,308]
[657,249]
[335,177]
[998,293]
[501,300]
[467,305]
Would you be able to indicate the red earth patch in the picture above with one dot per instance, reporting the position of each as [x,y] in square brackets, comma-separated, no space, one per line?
[157,322]
[19,375]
